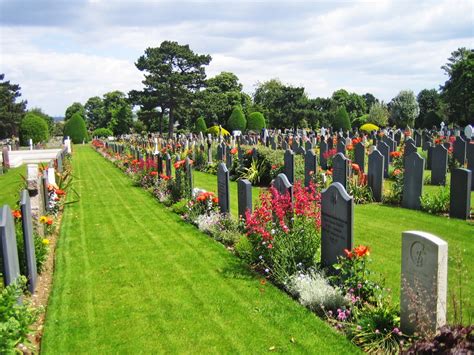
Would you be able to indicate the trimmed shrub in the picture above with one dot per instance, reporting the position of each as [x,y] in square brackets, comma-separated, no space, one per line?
[256,122]
[341,120]
[102,133]
[75,128]
[237,121]
[33,127]
[200,125]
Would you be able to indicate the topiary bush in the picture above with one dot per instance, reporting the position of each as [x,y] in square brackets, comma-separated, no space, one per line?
[256,122]
[237,121]
[75,128]
[102,133]
[200,125]
[33,127]
[341,120]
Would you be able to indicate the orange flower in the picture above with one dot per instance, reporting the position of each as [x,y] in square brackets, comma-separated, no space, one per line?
[348,253]
[263,282]
[233,151]
[60,192]
[249,152]
[16,214]
[396,172]
[395,154]
[350,147]
[355,167]
[50,187]
[362,250]
[49,221]
[154,173]
[215,200]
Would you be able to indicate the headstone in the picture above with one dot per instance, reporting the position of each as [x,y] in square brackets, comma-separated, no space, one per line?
[28,241]
[228,159]
[470,160]
[188,167]
[384,149]
[341,147]
[429,157]
[359,155]
[460,193]
[337,223]
[417,139]
[283,185]
[244,188]
[409,149]
[168,164]
[439,165]
[159,160]
[330,142]
[44,182]
[220,152]
[6,158]
[413,181]
[375,174]
[323,147]
[340,169]
[289,161]
[223,191]
[424,281]
[459,150]
[310,166]
[8,246]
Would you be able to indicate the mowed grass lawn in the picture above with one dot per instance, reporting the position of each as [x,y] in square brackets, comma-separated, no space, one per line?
[10,185]
[132,277]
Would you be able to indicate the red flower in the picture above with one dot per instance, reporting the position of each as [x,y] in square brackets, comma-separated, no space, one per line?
[350,147]
[348,253]
[270,246]
[362,250]
[215,200]
[233,151]
[396,154]
[396,172]
[16,214]
[249,152]
[355,167]
[153,173]
[60,192]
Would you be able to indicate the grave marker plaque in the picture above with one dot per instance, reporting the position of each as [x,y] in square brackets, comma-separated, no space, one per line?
[310,166]
[439,165]
[413,181]
[459,150]
[8,247]
[337,222]
[323,147]
[283,185]
[375,174]
[245,196]
[424,280]
[289,170]
[383,148]
[340,169]
[28,241]
[460,193]
[223,192]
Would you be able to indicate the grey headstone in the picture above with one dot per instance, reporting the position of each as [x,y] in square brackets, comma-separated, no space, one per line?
[470,160]
[330,142]
[341,147]
[384,149]
[223,191]
[6,158]
[159,159]
[337,223]
[459,150]
[28,241]
[310,166]
[283,185]
[340,169]
[168,164]
[229,159]
[439,165]
[375,174]
[188,168]
[413,181]
[460,193]
[289,170]
[359,155]
[244,188]
[424,280]
[8,247]
[44,183]
[323,147]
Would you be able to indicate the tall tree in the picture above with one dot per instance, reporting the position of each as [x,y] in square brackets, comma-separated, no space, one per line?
[458,90]
[175,71]
[369,100]
[378,114]
[404,109]
[352,102]
[48,119]
[95,113]
[11,110]
[429,101]
[117,112]
[76,107]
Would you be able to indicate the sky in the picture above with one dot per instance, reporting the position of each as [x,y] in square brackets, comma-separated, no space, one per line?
[65,51]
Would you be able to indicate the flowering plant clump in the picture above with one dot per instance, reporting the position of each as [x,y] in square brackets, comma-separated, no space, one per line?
[358,187]
[329,155]
[203,203]
[162,188]
[285,234]
[395,194]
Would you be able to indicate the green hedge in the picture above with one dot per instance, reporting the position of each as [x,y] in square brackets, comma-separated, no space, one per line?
[200,125]
[237,121]
[341,120]
[33,127]
[75,128]
[102,133]
[256,122]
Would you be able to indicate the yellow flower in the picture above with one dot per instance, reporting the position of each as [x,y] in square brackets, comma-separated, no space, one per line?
[46,241]
[43,219]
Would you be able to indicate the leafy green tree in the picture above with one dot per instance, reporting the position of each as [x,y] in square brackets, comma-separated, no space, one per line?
[458,90]
[95,113]
[76,107]
[11,111]
[102,133]
[359,121]
[256,122]
[428,100]
[432,118]
[76,129]
[237,120]
[33,127]
[121,121]
[378,114]
[369,100]
[48,119]
[404,109]
[200,125]
[341,119]
[173,73]
[352,102]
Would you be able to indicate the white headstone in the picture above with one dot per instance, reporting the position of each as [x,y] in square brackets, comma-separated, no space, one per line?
[424,282]
[31,144]
[32,171]
[51,176]
[468,131]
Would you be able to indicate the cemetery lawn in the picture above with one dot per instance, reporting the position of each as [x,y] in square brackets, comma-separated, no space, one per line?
[10,186]
[131,276]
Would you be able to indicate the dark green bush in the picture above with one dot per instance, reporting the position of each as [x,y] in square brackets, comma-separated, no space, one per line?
[341,120]
[75,128]
[200,125]
[256,122]
[432,118]
[237,121]
[102,133]
[33,127]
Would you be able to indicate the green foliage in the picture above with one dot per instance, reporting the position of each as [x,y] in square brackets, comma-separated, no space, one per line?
[378,114]
[254,172]
[121,121]
[76,107]
[95,113]
[33,127]
[11,111]
[359,121]
[48,119]
[432,118]
[430,105]
[457,90]
[15,318]
[353,103]
[404,109]
[102,133]
[41,249]
[200,125]
[237,120]
[256,122]
[75,128]
[341,120]
[244,250]
[436,203]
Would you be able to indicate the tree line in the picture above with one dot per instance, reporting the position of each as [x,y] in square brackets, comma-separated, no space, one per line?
[176,94]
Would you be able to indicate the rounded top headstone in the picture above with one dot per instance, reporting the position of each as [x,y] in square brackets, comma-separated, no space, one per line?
[468,131]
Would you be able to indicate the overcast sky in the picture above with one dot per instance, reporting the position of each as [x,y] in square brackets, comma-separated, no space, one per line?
[65,51]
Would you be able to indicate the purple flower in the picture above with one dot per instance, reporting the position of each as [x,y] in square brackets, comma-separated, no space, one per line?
[359,285]
[342,316]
